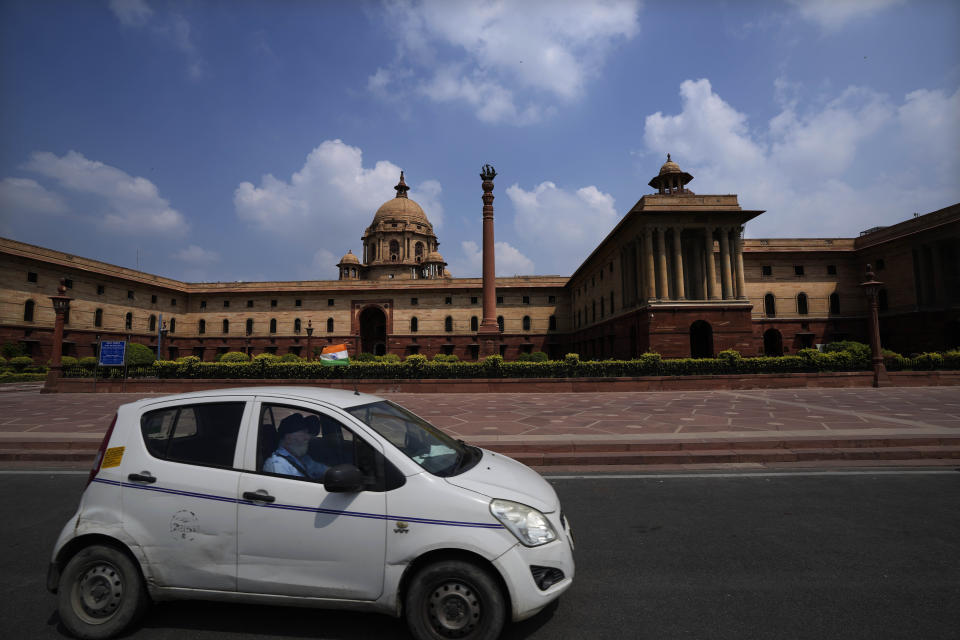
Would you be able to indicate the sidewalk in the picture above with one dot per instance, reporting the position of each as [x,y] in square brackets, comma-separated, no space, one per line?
[759,429]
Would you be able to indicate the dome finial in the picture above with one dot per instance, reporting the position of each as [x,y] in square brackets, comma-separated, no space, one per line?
[402,187]
[668,157]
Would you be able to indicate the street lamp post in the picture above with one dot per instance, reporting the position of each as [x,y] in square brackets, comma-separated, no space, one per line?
[61,304]
[309,340]
[163,335]
[871,288]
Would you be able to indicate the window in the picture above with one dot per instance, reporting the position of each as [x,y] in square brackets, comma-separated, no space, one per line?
[249,326]
[298,302]
[296,325]
[834,303]
[173,302]
[526,323]
[831,269]
[202,327]
[770,305]
[414,301]
[249,304]
[273,303]
[28,310]
[128,321]
[173,327]
[68,283]
[394,249]
[525,299]
[798,270]
[202,434]
[329,302]
[448,324]
[448,300]
[329,325]
[226,304]
[129,294]
[413,324]
[100,289]
[551,299]
[474,323]
[881,265]
[226,326]
[273,325]
[601,275]
[499,299]
[611,303]
[802,303]
[66,316]
[153,323]
[31,276]
[553,323]
[601,307]
[473,299]
[153,299]
[882,302]
[203,304]
[98,318]
[500,323]
[766,270]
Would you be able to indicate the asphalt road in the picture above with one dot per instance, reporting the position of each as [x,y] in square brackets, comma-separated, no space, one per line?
[783,556]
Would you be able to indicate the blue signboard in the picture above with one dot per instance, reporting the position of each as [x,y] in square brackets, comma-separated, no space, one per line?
[111,353]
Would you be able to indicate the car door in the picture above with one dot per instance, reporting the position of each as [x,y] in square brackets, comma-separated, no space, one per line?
[180,476]
[295,538]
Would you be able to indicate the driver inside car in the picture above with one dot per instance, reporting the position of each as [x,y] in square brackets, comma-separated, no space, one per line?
[291,457]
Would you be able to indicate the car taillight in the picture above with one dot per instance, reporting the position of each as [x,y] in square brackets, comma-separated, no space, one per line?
[103,448]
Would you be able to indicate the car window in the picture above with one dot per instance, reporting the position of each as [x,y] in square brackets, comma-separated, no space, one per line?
[200,434]
[301,444]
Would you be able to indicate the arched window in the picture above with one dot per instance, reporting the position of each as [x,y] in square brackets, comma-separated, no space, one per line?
[66,316]
[772,343]
[526,323]
[353,272]
[474,323]
[611,303]
[500,323]
[595,311]
[372,250]
[98,318]
[413,324]
[601,305]
[553,323]
[202,326]
[418,252]
[882,302]
[28,310]
[329,325]
[296,325]
[769,305]
[701,339]
[153,323]
[273,325]
[835,303]
[226,326]
[173,325]
[802,303]
[448,323]
[128,321]
[394,250]
[249,326]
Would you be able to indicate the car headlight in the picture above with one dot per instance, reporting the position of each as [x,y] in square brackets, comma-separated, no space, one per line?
[529,525]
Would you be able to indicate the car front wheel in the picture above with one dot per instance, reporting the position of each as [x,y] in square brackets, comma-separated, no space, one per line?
[101,593]
[454,599]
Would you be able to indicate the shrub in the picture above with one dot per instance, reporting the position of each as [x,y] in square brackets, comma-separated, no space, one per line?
[266,358]
[10,376]
[19,363]
[291,357]
[87,362]
[188,359]
[951,359]
[571,358]
[235,356]
[928,362]
[443,357]
[415,360]
[138,355]
[389,357]
[363,356]
[11,350]
[539,356]
[67,361]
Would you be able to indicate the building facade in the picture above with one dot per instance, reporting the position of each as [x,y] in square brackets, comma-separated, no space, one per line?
[675,276]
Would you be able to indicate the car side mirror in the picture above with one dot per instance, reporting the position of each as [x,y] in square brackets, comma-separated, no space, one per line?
[343,478]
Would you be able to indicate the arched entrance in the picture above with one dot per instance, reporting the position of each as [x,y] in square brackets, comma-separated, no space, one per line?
[772,343]
[373,331]
[951,335]
[701,339]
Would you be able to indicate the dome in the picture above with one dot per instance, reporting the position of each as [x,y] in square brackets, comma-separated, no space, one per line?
[670,166]
[349,258]
[434,257]
[400,208]
[671,179]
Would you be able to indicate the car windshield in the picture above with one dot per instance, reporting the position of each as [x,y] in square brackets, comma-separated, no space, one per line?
[422,442]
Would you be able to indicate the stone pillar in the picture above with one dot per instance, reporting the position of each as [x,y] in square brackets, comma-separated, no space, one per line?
[678,289]
[738,263]
[662,293]
[725,263]
[489,331]
[61,303]
[711,265]
[650,284]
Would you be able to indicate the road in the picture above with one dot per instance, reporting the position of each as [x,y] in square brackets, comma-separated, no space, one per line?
[820,556]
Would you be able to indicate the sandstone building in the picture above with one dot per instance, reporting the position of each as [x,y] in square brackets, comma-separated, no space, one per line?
[675,276]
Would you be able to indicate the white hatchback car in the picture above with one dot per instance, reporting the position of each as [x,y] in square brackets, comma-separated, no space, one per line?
[307,497]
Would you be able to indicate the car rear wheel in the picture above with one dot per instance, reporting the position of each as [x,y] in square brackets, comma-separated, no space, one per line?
[454,599]
[101,593]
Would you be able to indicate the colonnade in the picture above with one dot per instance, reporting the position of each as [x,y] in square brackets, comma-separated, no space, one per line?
[678,263]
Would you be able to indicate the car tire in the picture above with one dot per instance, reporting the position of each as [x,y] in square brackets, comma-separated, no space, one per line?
[101,593]
[454,599]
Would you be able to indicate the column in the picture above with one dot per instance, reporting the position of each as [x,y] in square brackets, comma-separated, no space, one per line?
[650,286]
[725,263]
[738,263]
[679,292]
[663,293]
[711,266]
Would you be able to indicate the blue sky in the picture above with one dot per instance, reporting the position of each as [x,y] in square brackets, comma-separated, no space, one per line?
[254,140]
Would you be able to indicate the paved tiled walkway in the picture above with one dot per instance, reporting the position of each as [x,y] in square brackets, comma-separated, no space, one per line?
[529,417]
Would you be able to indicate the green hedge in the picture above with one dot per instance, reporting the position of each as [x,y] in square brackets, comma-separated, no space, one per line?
[10,376]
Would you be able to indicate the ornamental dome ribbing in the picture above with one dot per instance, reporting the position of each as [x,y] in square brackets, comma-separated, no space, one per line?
[349,258]
[400,209]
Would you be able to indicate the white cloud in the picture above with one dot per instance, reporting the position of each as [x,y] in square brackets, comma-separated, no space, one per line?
[323,266]
[133,204]
[332,197]
[196,255]
[23,195]
[507,259]
[131,13]
[808,168]
[509,61]
[832,15]
[565,225]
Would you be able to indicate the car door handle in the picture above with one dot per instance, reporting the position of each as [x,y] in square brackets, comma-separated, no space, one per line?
[141,477]
[258,496]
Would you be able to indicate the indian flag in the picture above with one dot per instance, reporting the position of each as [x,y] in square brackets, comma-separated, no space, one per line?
[335,354]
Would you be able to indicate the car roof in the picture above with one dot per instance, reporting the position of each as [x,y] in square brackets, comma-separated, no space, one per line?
[341,398]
